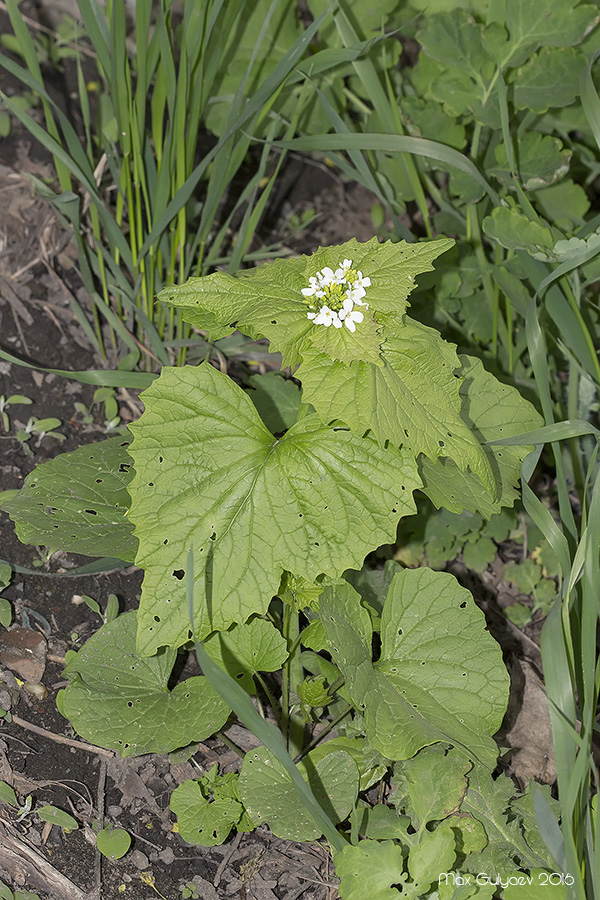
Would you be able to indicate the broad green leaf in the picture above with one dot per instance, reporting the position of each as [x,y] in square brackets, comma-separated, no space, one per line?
[7,794]
[549,79]
[429,119]
[208,473]
[434,853]
[526,575]
[248,648]
[412,398]
[269,796]
[203,820]
[543,22]
[478,554]
[538,884]
[5,571]
[268,301]
[383,823]
[513,230]
[465,85]
[541,162]
[6,612]
[455,39]
[277,400]
[489,801]
[299,593]
[113,842]
[375,867]
[564,204]
[57,817]
[118,699]
[494,410]
[421,691]
[433,784]
[78,502]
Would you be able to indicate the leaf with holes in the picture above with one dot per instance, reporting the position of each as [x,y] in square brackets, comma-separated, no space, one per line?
[271,798]
[376,864]
[209,474]
[268,301]
[421,690]
[118,699]
[78,502]
[493,411]
[248,648]
[411,399]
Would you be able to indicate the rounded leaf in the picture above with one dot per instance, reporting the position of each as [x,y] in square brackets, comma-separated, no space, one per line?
[113,842]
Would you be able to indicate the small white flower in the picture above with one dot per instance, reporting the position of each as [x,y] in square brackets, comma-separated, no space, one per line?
[308,292]
[351,317]
[362,280]
[328,317]
[326,276]
[355,294]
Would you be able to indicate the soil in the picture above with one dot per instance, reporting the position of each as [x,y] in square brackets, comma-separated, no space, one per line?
[39,755]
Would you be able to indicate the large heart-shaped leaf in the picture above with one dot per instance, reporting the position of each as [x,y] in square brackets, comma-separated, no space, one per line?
[209,474]
[440,675]
[412,398]
[269,795]
[78,501]
[118,699]
[494,411]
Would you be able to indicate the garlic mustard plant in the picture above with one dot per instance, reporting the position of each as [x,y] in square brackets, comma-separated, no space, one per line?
[342,291]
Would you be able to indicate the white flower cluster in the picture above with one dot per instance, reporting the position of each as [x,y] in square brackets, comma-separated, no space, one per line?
[341,292]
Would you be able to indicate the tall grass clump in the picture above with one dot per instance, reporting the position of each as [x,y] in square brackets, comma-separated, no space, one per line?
[149,192]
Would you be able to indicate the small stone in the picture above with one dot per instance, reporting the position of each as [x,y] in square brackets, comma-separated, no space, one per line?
[139,859]
[167,856]
[115,811]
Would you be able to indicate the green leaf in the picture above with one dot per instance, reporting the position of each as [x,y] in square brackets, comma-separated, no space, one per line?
[493,410]
[420,691]
[203,820]
[478,555]
[244,650]
[429,119]
[277,400]
[434,853]
[412,399]
[269,796]
[536,885]
[513,230]
[432,783]
[113,842]
[78,502]
[378,864]
[57,817]
[549,79]
[7,794]
[268,301]
[564,204]
[489,802]
[541,162]
[5,572]
[209,473]
[118,699]
[548,23]
[526,575]
[5,892]
[6,613]
[299,593]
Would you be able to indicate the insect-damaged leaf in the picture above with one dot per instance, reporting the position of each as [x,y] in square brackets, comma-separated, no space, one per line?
[209,473]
